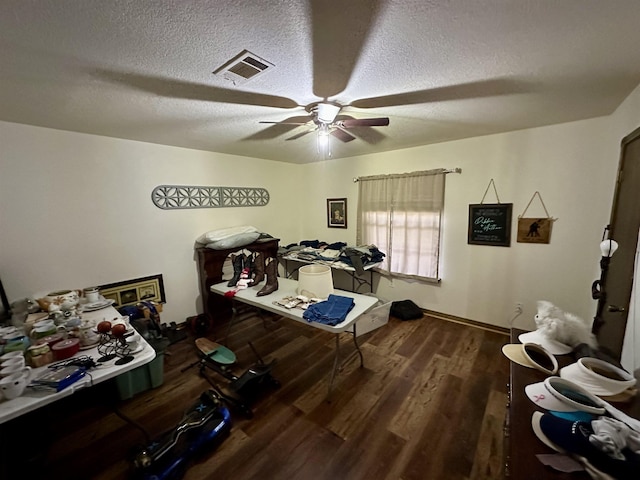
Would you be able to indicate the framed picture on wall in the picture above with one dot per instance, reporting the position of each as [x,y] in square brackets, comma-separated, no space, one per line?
[133,291]
[337,212]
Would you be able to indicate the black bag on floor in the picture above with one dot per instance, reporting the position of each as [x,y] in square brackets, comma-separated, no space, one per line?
[405,310]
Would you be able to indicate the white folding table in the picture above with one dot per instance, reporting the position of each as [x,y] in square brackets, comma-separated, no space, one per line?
[335,265]
[287,288]
[31,399]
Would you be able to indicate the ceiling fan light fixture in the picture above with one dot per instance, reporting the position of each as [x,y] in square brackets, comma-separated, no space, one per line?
[327,112]
[324,147]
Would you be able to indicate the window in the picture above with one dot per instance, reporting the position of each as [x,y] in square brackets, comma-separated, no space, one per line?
[401,215]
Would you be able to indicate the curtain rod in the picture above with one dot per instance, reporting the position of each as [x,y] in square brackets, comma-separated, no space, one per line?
[434,172]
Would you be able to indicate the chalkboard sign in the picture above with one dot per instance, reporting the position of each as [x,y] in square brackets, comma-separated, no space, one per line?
[490,224]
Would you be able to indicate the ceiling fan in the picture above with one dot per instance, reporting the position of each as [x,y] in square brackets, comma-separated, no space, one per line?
[325,120]
[339,31]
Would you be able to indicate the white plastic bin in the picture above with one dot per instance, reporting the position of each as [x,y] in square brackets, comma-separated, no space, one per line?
[377,317]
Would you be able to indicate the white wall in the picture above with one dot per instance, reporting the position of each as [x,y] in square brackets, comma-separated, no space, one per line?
[76,211]
[572,165]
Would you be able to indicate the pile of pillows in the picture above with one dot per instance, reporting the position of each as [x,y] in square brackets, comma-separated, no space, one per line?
[231,237]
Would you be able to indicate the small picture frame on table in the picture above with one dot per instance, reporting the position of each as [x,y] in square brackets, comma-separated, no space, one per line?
[337,212]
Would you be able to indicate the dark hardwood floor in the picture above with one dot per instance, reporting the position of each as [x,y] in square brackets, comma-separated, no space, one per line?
[429,404]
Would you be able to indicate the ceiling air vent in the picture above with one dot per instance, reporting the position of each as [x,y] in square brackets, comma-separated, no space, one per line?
[243,67]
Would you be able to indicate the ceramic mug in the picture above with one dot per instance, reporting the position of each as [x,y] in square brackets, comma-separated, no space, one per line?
[10,355]
[13,361]
[70,327]
[92,294]
[47,322]
[20,343]
[12,386]
[43,331]
[87,334]
[133,342]
[9,333]
[24,370]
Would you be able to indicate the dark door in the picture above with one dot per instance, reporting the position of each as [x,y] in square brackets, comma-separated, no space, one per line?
[625,223]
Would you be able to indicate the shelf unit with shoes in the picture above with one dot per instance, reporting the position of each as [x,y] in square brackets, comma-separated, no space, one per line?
[210,270]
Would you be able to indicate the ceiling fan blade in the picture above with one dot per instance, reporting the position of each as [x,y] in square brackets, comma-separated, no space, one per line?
[339,31]
[286,123]
[298,135]
[342,135]
[277,129]
[363,122]
[172,88]
[483,88]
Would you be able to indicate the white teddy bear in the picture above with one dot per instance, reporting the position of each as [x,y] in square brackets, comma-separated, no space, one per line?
[563,327]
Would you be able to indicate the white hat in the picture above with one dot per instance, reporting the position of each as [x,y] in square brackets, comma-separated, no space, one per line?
[531,355]
[553,346]
[561,395]
[598,377]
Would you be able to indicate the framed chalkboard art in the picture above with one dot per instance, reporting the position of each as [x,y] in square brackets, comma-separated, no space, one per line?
[490,224]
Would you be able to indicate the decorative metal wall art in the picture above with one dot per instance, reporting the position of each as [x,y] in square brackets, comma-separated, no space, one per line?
[170,197]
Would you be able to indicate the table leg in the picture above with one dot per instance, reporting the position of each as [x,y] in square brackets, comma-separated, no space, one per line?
[234,313]
[336,361]
[355,341]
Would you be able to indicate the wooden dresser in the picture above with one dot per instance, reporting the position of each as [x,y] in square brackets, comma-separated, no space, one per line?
[521,444]
[210,263]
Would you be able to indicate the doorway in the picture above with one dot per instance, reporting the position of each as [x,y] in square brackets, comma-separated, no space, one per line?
[625,223]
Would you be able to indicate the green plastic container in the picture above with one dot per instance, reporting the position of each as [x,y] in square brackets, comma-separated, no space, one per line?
[142,378]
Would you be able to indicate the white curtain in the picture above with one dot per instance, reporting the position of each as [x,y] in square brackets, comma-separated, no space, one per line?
[630,357]
[401,215]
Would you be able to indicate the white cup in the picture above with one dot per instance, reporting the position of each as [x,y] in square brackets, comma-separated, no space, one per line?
[13,361]
[133,342]
[13,369]
[12,386]
[44,331]
[92,294]
[10,333]
[50,323]
[7,356]
[87,334]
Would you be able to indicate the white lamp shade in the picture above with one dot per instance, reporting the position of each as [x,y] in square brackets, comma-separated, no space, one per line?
[608,247]
[327,113]
[315,281]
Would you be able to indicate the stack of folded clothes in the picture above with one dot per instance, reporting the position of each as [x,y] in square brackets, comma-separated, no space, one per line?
[336,254]
[332,311]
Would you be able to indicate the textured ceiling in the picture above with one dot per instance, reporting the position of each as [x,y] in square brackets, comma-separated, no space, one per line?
[440,70]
